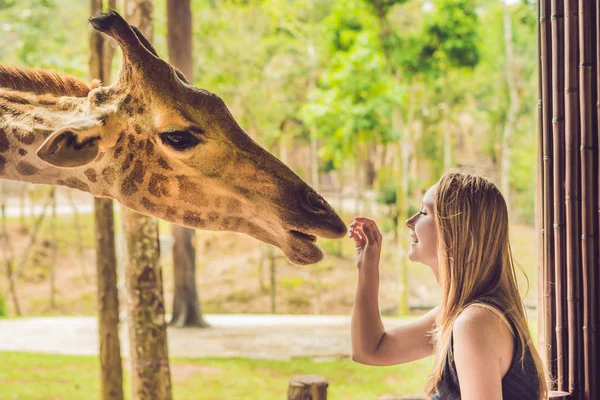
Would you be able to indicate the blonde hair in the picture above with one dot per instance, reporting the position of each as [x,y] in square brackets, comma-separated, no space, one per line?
[475,262]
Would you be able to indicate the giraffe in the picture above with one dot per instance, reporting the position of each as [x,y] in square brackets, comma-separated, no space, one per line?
[159,146]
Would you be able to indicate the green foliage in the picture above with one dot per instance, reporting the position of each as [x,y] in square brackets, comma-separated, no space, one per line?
[2,305]
[450,38]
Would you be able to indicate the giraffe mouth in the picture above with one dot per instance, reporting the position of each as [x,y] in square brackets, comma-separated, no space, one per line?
[304,236]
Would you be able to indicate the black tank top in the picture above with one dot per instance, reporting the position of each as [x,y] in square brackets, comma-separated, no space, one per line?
[520,382]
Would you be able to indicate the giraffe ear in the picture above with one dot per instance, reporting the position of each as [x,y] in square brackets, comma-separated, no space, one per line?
[71,147]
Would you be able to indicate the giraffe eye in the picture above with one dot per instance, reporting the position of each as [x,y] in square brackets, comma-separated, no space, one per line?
[179,140]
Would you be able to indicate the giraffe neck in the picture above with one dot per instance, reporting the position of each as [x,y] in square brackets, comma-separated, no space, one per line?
[26,120]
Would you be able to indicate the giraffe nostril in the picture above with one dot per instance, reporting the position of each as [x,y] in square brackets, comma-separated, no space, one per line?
[315,202]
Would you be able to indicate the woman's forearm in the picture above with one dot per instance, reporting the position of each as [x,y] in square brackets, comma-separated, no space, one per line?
[366,327]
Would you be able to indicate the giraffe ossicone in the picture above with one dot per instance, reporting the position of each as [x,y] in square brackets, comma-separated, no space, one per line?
[159,146]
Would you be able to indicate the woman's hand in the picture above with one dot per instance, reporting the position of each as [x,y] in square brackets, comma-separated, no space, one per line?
[367,239]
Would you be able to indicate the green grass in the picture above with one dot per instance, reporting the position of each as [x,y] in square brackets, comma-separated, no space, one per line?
[48,377]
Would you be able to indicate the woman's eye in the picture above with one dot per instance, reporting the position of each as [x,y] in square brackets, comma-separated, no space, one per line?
[179,140]
[422,213]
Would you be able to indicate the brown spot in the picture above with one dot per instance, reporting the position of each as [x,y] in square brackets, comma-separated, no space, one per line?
[2,164]
[46,102]
[231,223]
[25,168]
[91,175]
[234,206]
[190,192]
[28,138]
[149,148]
[140,144]
[213,216]
[132,182]
[191,218]
[156,185]
[137,129]
[109,175]
[77,183]
[141,110]
[127,163]
[118,152]
[39,120]
[60,182]
[14,99]
[171,213]
[148,205]
[10,110]
[100,156]
[4,145]
[163,163]
[22,152]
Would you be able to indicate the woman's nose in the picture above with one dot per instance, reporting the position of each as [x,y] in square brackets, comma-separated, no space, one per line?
[409,222]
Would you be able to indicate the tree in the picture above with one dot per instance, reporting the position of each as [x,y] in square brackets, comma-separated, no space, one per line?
[186,306]
[111,365]
[151,376]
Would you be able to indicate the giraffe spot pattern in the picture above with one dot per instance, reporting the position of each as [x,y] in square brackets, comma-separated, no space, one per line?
[233,206]
[22,152]
[77,183]
[91,175]
[118,152]
[109,174]
[4,145]
[148,205]
[27,139]
[14,99]
[191,218]
[27,169]
[127,163]
[10,110]
[171,213]
[47,102]
[213,216]
[149,148]
[132,182]
[156,185]
[164,164]
[39,120]
[190,192]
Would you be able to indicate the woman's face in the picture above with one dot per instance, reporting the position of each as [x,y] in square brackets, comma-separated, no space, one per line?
[423,234]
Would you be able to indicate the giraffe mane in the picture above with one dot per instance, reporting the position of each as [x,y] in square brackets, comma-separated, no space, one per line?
[44,82]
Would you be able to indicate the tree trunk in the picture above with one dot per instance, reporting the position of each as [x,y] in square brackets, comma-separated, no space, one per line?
[111,365]
[513,107]
[151,377]
[186,305]
[52,264]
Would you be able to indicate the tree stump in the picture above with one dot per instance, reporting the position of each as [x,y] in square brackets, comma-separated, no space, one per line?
[308,387]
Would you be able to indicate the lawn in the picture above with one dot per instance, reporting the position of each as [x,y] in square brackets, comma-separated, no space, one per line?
[53,377]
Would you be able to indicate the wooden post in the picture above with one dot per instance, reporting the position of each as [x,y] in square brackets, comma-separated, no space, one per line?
[308,387]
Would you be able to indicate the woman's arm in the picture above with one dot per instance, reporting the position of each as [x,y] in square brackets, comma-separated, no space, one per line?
[371,343]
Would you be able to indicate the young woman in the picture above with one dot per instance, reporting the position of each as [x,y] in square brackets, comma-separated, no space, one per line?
[478,333]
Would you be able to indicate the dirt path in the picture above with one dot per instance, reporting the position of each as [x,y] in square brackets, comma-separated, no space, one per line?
[231,335]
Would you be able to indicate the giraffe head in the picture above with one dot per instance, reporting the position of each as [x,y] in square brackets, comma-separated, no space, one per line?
[165,148]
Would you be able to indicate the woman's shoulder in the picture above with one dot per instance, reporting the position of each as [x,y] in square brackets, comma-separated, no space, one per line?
[478,332]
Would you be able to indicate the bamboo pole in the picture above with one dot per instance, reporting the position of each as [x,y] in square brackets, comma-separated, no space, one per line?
[548,247]
[558,200]
[539,220]
[573,214]
[588,237]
